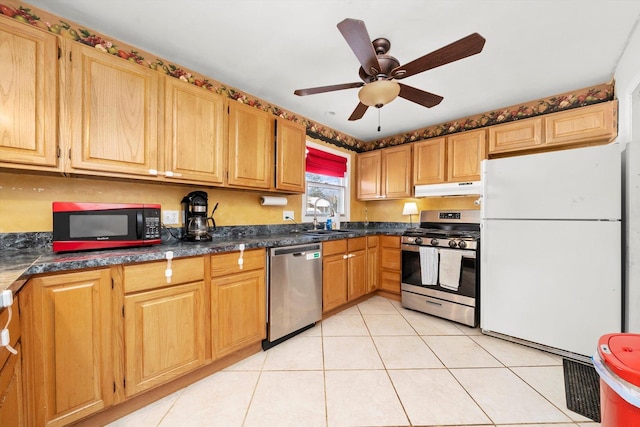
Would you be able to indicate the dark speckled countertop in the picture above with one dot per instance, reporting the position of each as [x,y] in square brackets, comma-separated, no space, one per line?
[16,266]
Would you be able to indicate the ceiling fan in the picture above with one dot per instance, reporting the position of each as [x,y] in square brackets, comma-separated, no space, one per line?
[379,71]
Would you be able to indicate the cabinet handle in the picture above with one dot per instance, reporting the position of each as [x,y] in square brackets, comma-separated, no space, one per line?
[345,256]
[153,172]
[170,174]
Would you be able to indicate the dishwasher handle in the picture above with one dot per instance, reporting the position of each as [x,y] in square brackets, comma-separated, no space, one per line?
[298,249]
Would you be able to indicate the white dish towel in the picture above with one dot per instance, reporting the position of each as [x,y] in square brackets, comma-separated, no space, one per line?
[428,265]
[450,266]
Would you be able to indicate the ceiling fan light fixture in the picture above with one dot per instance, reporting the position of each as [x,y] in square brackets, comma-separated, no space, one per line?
[379,93]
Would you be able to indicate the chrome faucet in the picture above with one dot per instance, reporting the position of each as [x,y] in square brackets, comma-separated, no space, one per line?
[315,211]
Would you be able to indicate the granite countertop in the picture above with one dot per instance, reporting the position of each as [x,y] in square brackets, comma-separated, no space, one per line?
[16,266]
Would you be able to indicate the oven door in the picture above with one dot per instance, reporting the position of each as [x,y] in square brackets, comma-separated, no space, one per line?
[411,274]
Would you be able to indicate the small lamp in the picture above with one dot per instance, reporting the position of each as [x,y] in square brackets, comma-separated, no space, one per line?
[410,208]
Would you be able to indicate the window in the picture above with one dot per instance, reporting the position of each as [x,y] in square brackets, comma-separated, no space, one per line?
[327,183]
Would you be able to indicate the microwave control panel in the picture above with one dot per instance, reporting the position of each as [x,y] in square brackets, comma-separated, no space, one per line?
[151,224]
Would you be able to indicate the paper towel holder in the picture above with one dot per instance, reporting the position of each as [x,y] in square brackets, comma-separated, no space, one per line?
[273,201]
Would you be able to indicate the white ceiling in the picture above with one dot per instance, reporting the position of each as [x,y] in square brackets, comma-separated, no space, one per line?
[269,48]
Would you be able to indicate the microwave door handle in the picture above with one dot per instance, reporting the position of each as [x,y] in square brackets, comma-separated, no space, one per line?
[139,224]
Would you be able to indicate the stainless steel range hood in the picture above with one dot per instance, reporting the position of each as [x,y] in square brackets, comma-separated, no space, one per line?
[449,189]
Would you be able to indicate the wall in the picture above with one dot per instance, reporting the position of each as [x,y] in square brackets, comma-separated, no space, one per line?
[391,210]
[627,76]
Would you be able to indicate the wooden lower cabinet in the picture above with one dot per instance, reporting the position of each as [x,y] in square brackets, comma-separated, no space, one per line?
[390,264]
[373,263]
[238,301]
[357,268]
[67,337]
[11,397]
[344,272]
[334,274]
[12,408]
[164,323]
[164,335]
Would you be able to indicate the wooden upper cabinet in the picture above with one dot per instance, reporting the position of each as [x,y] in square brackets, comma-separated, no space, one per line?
[429,161]
[385,174]
[396,172]
[369,175]
[465,152]
[251,140]
[68,336]
[595,123]
[290,156]
[515,136]
[28,97]
[113,113]
[193,133]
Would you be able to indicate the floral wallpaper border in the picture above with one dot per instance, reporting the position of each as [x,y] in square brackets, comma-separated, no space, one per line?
[579,98]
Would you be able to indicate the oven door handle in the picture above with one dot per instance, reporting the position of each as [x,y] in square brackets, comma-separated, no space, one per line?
[416,248]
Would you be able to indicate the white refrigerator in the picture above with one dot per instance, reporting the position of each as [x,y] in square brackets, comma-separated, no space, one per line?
[550,256]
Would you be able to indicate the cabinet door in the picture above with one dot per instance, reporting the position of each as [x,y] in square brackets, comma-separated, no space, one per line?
[390,263]
[11,397]
[465,152]
[373,263]
[71,345]
[290,156]
[595,123]
[238,311]
[193,133]
[334,281]
[429,161]
[369,177]
[357,274]
[164,335]
[514,136]
[28,97]
[251,140]
[113,108]
[396,172]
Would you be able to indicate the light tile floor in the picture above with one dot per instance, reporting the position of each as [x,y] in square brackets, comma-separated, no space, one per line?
[377,364]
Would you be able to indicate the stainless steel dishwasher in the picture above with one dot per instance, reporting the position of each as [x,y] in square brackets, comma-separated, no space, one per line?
[294,291]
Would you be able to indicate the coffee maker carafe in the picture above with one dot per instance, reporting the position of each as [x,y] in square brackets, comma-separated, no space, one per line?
[195,220]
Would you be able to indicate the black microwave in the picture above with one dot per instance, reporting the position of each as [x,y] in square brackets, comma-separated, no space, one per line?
[84,226]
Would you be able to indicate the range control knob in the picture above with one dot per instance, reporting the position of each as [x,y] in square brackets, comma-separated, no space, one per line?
[462,244]
[452,244]
[418,240]
[434,242]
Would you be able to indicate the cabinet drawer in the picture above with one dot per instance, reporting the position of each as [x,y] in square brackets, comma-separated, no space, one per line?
[227,263]
[333,247]
[357,244]
[140,277]
[390,241]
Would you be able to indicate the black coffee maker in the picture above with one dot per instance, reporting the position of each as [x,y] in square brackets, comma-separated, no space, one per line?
[195,220]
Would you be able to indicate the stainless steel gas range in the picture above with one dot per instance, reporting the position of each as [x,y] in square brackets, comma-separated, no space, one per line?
[440,265]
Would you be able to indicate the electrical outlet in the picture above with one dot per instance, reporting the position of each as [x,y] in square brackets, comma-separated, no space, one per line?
[287,215]
[170,217]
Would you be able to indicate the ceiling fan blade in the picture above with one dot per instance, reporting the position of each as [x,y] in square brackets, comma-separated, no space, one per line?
[358,112]
[355,33]
[466,46]
[418,96]
[322,89]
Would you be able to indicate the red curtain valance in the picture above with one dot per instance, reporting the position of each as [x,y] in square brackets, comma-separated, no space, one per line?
[324,163]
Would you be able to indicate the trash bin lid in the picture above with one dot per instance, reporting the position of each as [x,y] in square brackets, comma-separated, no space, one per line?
[621,354]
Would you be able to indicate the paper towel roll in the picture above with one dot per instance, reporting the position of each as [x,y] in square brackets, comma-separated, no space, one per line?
[273,201]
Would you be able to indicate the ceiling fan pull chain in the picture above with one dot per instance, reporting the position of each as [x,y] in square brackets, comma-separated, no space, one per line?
[378,120]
